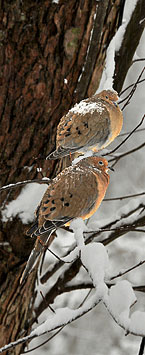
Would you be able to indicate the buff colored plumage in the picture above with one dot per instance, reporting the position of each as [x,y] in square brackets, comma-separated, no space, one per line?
[76,192]
[90,125]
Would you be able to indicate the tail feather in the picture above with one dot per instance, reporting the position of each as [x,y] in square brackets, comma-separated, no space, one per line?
[62,152]
[59,153]
[34,255]
[42,234]
[33,228]
[30,263]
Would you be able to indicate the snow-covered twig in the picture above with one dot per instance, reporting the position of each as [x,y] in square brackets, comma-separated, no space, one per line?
[21,183]
[117,227]
[121,273]
[62,317]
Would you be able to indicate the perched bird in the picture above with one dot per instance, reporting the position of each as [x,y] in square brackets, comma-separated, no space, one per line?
[90,125]
[76,192]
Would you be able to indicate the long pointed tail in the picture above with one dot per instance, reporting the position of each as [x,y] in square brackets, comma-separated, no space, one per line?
[39,245]
[61,152]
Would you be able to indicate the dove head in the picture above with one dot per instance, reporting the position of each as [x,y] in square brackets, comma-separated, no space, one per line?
[109,95]
[96,163]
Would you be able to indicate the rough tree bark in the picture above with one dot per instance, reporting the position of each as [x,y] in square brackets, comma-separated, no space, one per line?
[41,44]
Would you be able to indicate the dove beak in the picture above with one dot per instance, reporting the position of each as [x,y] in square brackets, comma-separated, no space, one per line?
[110,168]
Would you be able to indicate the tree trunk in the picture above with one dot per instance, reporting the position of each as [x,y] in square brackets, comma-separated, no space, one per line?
[42,43]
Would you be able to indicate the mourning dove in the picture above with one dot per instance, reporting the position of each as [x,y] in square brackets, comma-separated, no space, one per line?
[76,192]
[90,125]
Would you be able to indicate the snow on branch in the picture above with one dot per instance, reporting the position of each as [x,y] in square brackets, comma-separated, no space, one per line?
[118,299]
[62,317]
[129,218]
[25,182]
[25,204]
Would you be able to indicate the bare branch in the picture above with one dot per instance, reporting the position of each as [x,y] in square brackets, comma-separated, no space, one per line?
[124,197]
[125,55]
[130,134]
[142,345]
[137,131]
[138,60]
[44,342]
[120,229]
[121,273]
[128,87]
[133,89]
[93,50]
[116,159]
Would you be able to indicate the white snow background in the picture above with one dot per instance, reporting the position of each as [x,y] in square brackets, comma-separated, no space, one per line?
[96,332]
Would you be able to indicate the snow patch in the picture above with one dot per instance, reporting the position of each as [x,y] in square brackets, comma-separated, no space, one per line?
[95,259]
[114,46]
[84,107]
[121,298]
[25,204]
[137,324]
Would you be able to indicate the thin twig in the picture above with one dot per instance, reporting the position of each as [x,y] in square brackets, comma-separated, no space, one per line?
[130,134]
[127,270]
[85,286]
[47,305]
[142,345]
[51,252]
[133,89]
[124,229]
[123,197]
[21,183]
[45,342]
[138,60]
[137,131]
[126,153]
[128,87]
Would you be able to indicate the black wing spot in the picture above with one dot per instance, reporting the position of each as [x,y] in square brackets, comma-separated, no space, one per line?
[68,129]
[47,215]
[86,124]
[77,129]
[62,199]
[70,195]
[53,202]
[67,135]
[52,209]
[46,201]
[66,204]
[44,209]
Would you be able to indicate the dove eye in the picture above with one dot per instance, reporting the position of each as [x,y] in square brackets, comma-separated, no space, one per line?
[107,97]
[101,163]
